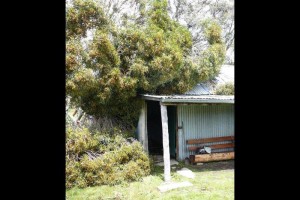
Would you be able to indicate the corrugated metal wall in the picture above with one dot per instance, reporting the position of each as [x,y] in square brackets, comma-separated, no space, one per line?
[203,121]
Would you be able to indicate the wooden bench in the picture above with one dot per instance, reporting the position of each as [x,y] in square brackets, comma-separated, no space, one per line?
[208,142]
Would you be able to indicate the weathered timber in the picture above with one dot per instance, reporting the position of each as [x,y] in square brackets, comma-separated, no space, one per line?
[142,127]
[166,148]
[207,140]
[211,157]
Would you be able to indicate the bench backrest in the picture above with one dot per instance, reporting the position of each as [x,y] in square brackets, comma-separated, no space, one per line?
[204,142]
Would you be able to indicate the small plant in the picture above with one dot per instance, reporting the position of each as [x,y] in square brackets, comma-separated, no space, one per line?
[225,89]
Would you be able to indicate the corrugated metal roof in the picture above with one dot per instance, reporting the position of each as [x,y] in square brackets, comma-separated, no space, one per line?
[200,89]
[190,98]
[207,88]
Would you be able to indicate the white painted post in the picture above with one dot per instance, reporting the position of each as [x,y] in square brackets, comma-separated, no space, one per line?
[165,132]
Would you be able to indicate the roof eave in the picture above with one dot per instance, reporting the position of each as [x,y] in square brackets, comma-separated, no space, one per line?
[229,101]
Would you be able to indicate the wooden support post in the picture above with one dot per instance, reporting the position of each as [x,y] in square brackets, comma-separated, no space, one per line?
[142,127]
[165,132]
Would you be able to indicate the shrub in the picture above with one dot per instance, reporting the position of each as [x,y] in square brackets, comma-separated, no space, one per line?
[100,158]
[225,89]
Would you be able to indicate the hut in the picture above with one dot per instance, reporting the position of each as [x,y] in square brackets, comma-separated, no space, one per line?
[168,122]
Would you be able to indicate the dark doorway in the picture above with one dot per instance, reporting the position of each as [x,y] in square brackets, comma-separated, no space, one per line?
[154,129]
[172,122]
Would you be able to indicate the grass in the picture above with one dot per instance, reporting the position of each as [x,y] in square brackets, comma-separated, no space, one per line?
[212,181]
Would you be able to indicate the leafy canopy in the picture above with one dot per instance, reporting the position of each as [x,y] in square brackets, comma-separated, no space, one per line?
[106,73]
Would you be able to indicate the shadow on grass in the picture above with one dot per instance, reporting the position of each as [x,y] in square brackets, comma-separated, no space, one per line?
[158,171]
[212,166]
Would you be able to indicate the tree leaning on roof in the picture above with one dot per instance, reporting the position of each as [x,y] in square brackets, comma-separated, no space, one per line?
[105,74]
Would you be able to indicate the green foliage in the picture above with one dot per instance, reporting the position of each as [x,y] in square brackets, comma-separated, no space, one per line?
[74,56]
[153,55]
[212,31]
[213,57]
[83,15]
[105,77]
[225,89]
[94,158]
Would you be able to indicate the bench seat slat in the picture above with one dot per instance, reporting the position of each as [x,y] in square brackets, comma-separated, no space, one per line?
[208,140]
